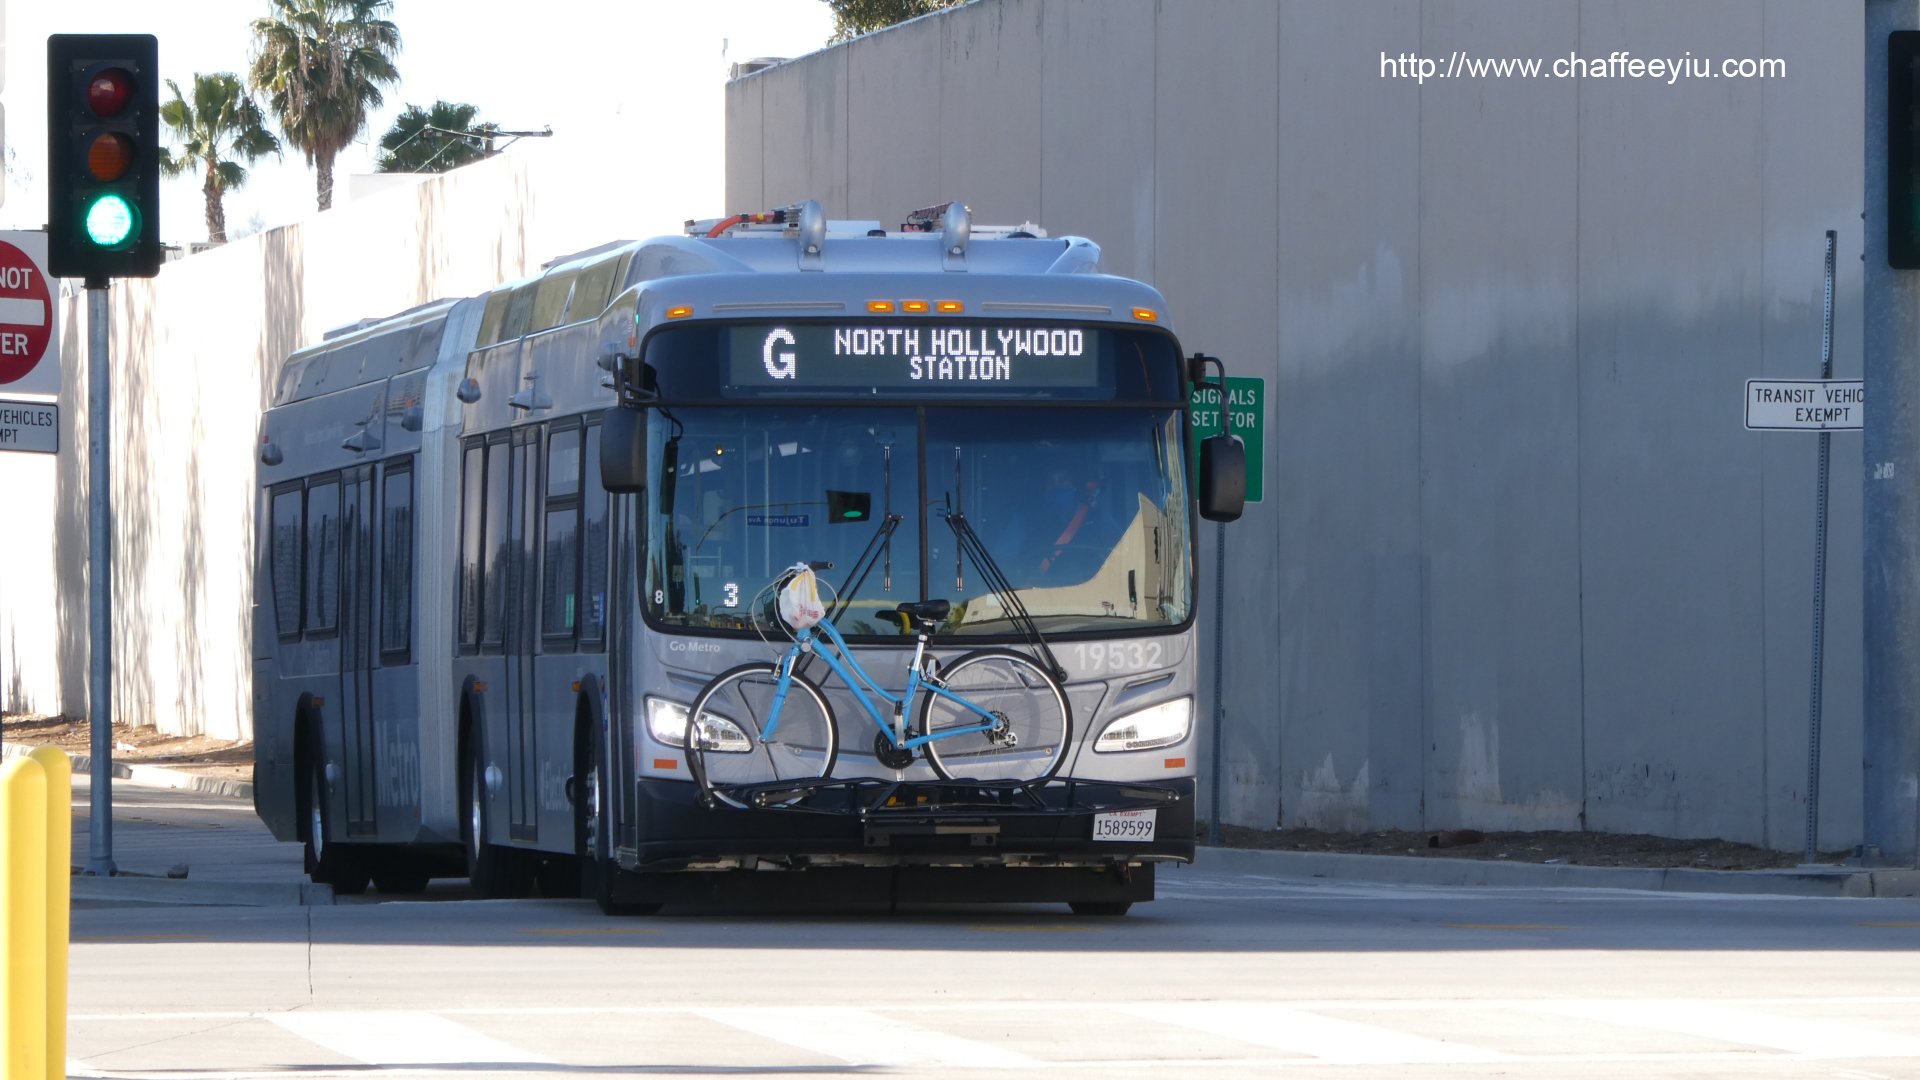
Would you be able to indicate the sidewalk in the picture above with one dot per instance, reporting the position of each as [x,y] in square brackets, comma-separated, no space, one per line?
[233,860]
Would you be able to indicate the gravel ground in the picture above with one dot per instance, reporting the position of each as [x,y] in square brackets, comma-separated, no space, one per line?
[196,754]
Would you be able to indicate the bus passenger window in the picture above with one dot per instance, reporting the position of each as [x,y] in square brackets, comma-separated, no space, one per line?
[285,532]
[323,557]
[472,486]
[593,547]
[560,574]
[396,562]
[496,545]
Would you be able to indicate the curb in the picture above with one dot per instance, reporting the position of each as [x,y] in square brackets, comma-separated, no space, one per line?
[135,889]
[151,775]
[1840,881]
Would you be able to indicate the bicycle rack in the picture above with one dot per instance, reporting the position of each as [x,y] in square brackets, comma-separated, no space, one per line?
[969,808]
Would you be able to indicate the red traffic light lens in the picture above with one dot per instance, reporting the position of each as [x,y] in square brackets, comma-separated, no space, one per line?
[109,156]
[109,91]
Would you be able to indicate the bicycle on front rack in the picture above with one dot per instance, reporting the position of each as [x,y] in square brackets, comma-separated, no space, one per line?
[992,715]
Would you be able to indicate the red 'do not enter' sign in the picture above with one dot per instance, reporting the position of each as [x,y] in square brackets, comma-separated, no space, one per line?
[26,314]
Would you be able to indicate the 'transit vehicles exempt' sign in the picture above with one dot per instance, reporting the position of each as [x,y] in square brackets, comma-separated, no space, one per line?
[1805,404]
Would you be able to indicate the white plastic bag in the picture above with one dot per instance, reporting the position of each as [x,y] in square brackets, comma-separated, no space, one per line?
[800,602]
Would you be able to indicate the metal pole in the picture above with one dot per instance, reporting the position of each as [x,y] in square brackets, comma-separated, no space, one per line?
[1890,599]
[99,587]
[1219,675]
[1820,575]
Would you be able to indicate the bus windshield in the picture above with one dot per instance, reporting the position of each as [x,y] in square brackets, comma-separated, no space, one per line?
[1081,509]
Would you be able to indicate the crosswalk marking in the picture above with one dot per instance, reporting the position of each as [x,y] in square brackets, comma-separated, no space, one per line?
[403,1038]
[1799,1036]
[860,1037]
[1324,1038]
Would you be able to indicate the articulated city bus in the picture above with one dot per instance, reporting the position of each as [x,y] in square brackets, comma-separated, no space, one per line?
[505,541]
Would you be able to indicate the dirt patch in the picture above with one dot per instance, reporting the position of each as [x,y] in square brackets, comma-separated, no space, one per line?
[1572,848]
[199,755]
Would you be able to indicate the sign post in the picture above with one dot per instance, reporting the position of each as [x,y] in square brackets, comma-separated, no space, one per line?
[1824,405]
[1245,413]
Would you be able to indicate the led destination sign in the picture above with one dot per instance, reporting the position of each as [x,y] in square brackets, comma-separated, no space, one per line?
[922,357]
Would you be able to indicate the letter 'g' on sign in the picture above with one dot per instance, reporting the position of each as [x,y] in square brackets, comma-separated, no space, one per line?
[780,365]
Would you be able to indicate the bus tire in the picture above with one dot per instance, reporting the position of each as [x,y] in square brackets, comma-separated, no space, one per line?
[1099,909]
[329,862]
[496,873]
[599,873]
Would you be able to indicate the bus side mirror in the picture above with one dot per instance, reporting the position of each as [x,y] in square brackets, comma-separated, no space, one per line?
[623,449]
[1223,478]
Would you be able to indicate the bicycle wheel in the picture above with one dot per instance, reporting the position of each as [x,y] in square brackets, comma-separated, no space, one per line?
[1037,728]
[727,743]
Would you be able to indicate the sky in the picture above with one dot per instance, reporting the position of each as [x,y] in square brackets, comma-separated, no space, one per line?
[590,69]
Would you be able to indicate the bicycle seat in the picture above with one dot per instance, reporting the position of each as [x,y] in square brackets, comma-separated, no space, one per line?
[925,611]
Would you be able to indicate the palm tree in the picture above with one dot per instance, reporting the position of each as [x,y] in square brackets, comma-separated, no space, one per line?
[321,64]
[435,140]
[221,124]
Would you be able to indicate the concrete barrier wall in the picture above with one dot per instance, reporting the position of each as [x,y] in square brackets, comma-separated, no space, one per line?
[1519,562]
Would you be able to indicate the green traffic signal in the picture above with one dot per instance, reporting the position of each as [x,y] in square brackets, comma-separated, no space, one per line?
[110,221]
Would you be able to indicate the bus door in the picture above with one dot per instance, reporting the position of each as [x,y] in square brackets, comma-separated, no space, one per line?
[356,649]
[523,635]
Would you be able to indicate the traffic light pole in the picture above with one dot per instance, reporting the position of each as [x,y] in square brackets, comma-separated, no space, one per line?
[1891,443]
[99,585]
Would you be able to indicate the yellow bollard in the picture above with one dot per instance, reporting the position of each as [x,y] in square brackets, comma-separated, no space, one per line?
[59,870]
[23,920]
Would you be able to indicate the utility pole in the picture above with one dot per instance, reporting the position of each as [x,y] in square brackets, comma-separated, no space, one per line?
[1891,434]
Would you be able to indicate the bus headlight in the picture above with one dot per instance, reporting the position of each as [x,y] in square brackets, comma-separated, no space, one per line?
[1161,725]
[667,721]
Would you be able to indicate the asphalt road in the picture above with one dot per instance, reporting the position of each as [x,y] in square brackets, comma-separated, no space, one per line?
[1226,975]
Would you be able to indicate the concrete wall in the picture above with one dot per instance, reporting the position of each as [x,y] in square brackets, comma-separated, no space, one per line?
[1520,563]
[193,352]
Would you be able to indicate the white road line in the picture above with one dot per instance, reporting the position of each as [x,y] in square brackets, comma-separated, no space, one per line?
[403,1038]
[1310,1004]
[1325,1038]
[860,1037]
[1794,1035]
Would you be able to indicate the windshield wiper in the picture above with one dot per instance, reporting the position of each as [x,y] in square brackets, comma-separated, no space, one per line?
[1003,590]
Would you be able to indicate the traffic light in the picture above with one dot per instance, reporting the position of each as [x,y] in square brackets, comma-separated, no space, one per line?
[103,156]
[1903,150]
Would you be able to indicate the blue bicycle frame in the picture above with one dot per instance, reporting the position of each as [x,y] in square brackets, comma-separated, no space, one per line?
[857,680]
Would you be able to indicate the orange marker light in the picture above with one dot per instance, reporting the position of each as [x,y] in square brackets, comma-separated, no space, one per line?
[1146,314]
[880,307]
[679,312]
[915,307]
[1176,763]
[665,763]
[951,307]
